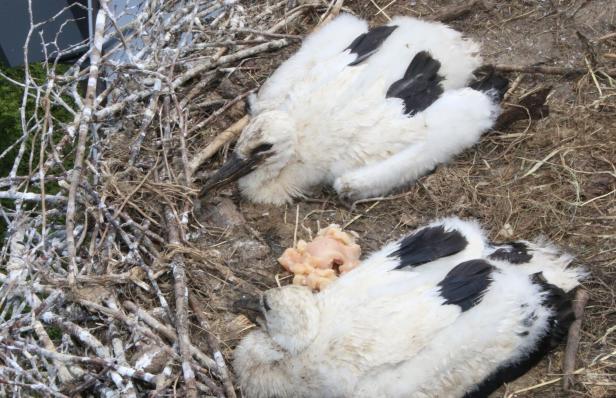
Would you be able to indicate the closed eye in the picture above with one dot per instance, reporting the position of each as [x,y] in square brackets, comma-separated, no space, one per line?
[265,304]
[260,148]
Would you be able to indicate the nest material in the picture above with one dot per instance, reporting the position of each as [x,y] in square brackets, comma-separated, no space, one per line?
[117,281]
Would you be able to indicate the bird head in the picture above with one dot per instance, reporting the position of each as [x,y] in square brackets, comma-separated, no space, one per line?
[288,316]
[267,142]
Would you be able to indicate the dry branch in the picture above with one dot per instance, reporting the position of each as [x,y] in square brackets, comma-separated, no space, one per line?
[453,13]
[548,70]
[221,139]
[197,308]
[573,338]
[83,123]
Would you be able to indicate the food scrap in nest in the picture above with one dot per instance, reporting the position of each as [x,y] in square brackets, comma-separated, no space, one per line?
[318,263]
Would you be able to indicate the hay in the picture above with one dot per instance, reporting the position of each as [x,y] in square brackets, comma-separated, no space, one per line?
[80,314]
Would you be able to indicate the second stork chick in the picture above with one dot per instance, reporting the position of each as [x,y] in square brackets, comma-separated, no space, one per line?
[365,110]
[439,313]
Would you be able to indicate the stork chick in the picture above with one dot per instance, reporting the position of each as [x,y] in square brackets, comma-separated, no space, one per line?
[364,110]
[440,313]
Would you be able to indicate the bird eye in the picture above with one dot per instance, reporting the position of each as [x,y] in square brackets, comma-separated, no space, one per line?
[265,304]
[260,148]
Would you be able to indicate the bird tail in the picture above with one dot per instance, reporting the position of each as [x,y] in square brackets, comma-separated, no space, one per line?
[491,83]
[549,269]
[541,256]
[560,319]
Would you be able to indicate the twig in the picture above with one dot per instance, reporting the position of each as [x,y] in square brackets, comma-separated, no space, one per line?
[148,116]
[84,123]
[456,12]
[67,358]
[331,12]
[573,338]
[221,139]
[548,70]
[32,197]
[220,111]
[181,304]
[212,341]
[83,335]
[249,52]
[203,359]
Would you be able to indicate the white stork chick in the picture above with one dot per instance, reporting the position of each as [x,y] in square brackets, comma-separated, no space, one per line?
[364,110]
[439,313]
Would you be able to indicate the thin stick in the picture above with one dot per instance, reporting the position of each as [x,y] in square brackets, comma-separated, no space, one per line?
[573,338]
[84,124]
[221,139]
[212,341]
[67,358]
[453,13]
[166,331]
[249,52]
[548,70]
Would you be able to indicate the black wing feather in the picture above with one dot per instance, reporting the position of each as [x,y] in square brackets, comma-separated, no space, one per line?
[427,245]
[420,86]
[513,252]
[559,323]
[466,283]
[492,84]
[367,43]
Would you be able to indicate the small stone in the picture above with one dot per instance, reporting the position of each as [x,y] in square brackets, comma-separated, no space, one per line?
[250,249]
[225,214]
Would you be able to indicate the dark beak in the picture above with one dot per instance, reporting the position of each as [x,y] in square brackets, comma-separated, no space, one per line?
[250,306]
[234,168]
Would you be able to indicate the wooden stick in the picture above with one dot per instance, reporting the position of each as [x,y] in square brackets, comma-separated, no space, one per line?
[212,341]
[453,13]
[168,333]
[18,346]
[241,54]
[84,124]
[548,70]
[221,139]
[573,338]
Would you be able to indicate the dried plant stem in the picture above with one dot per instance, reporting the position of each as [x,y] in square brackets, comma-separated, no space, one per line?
[547,70]
[197,308]
[453,13]
[84,124]
[573,338]
[221,139]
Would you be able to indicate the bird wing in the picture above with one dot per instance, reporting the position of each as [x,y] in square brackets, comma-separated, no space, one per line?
[320,52]
[369,111]
[436,248]
[399,315]
[344,68]
[507,320]
[537,256]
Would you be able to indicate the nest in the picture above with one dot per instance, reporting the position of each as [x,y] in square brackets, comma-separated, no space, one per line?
[118,280]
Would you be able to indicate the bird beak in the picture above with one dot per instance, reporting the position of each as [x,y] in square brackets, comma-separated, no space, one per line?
[251,307]
[233,169]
